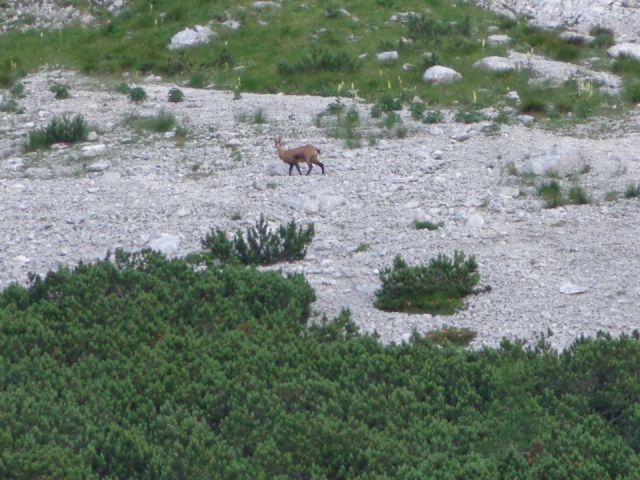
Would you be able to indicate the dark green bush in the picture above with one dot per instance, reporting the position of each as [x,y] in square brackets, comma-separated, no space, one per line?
[60,90]
[632,191]
[260,245]
[318,61]
[63,129]
[137,94]
[436,288]
[176,95]
[426,224]
[148,368]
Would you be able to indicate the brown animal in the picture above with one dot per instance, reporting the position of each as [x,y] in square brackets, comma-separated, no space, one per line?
[305,154]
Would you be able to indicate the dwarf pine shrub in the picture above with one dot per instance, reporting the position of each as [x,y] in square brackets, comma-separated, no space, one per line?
[137,94]
[260,245]
[436,288]
[176,95]
[63,129]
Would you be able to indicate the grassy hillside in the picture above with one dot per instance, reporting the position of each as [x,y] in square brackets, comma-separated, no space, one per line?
[312,47]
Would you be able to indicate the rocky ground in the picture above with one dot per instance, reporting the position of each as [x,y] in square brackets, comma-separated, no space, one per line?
[572,270]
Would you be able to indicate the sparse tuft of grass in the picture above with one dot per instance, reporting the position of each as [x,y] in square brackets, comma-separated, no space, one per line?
[551,193]
[162,122]
[63,129]
[577,196]
[60,90]
[604,37]
[363,247]
[632,191]
[259,117]
[611,196]
[512,169]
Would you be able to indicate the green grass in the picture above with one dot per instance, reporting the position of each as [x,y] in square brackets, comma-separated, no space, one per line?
[303,50]
[162,122]
[65,129]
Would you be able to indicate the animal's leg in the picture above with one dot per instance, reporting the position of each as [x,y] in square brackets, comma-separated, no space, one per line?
[291,168]
[298,167]
[320,164]
[310,167]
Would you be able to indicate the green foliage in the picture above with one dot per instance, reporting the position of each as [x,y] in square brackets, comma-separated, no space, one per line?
[318,61]
[344,124]
[386,103]
[137,94]
[417,110]
[320,53]
[260,245]
[632,191]
[163,121]
[426,225]
[197,80]
[466,116]
[60,90]
[434,288]
[122,87]
[460,337]
[433,116]
[141,367]
[259,117]
[9,105]
[604,37]
[632,91]
[17,90]
[176,95]
[577,196]
[551,193]
[65,129]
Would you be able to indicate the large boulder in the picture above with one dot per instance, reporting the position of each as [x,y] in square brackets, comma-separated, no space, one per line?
[562,160]
[495,64]
[191,37]
[438,74]
[631,50]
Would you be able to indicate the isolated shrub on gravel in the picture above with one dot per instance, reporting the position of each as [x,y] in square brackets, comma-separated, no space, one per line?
[260,245]
[176,95]
[63,129]
[436,288]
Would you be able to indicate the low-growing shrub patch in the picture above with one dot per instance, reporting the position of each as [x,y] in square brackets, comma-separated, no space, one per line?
[140,367]
[460,337]
[436,288]
[551,193]
[260,245]
[176,95]
[426,225]
[137,94]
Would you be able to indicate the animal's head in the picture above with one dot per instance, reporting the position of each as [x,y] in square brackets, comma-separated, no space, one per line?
[278,143]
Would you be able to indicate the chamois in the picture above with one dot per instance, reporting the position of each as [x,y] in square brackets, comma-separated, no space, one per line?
[305,154]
